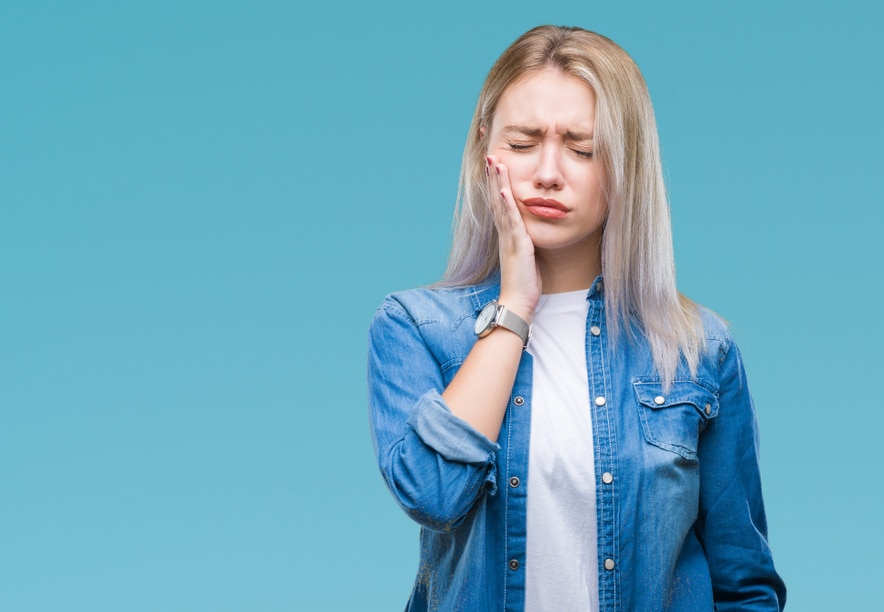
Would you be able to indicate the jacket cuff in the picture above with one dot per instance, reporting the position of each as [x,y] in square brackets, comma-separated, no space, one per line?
[453,438]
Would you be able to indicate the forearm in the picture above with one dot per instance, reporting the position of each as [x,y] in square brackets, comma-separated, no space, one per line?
[480,390]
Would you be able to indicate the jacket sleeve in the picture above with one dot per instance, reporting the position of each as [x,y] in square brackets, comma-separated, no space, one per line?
[731,524]
[435,464]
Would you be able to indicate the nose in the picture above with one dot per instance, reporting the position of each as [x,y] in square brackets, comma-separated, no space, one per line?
[548,173]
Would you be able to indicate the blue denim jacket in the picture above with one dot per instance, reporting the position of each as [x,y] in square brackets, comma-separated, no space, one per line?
[681,523]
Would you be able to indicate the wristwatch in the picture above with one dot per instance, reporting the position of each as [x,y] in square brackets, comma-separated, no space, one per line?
[494,314]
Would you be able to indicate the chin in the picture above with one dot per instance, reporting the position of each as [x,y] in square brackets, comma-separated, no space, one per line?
[555,241]
[549,238]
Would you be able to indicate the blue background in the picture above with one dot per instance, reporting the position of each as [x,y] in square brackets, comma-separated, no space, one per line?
[202,203]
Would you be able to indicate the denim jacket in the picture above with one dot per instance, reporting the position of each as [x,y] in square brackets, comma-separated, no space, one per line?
[681,523]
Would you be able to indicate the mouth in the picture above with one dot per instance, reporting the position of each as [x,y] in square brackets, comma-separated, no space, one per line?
[545,208]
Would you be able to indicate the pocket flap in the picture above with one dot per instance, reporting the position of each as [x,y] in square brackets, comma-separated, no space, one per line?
[651,395]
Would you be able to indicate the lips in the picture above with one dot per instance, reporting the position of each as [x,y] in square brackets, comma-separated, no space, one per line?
[545,208]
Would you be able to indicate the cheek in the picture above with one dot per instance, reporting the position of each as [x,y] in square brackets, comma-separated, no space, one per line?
[592,182]
[519,165]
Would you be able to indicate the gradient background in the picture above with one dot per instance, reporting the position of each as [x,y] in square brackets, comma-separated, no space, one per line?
[202,204]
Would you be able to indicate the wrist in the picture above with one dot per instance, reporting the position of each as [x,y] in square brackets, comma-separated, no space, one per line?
[523,308]
[495,314]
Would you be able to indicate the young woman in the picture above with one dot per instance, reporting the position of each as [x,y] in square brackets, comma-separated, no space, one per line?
[570,432]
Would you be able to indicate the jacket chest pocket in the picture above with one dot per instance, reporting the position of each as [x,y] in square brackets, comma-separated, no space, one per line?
[674,420]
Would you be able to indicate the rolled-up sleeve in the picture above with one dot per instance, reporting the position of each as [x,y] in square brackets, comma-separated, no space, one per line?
[435,464]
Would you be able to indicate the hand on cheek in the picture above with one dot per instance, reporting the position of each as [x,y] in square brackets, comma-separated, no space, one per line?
[520,283]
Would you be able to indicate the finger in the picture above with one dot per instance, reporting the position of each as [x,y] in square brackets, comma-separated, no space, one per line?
[510,209]
[491,163]
[496,203]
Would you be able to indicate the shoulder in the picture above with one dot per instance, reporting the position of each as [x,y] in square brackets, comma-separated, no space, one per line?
[437,320]
[721,348]
[438,304]
[714,326]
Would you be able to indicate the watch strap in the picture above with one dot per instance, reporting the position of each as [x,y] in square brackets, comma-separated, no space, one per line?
[508,319]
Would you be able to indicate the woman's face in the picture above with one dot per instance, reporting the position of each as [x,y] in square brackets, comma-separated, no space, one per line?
[542,131]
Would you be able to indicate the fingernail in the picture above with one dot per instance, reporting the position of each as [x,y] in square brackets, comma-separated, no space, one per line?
[502,197]
[486,171]
[497,168]
[487,161]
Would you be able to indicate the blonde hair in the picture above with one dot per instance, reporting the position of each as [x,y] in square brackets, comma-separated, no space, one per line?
[638,264]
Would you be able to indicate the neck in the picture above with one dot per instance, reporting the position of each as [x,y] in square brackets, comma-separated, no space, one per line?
[570,269]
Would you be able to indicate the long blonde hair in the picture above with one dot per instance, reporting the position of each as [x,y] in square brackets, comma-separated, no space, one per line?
[638,264]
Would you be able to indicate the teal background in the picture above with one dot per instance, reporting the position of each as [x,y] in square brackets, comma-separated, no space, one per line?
[202,203]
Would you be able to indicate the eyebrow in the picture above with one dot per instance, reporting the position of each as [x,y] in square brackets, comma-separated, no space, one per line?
[537,132]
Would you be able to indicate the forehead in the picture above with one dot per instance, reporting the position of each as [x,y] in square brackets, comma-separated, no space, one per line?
[547,99]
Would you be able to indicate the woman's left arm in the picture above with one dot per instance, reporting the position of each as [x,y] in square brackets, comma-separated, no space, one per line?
[731,523]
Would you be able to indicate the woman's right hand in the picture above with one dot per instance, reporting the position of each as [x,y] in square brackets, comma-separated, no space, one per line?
[520,282]
[479,392]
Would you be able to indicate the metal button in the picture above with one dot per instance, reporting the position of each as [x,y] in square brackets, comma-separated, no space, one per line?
[659,400]
[600,400]
[594,330]
[708,408]
[514,481]
[514,564]
[518,400]
[607,478]
[609,564]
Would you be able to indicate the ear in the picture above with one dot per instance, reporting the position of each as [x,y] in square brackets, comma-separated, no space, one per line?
[481,132]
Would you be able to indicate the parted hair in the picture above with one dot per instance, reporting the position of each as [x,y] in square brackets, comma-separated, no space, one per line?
[637,258]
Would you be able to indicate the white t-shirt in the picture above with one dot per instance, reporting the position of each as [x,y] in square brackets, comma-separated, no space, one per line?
[562,557]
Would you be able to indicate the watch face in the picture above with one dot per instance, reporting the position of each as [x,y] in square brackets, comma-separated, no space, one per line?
[485,319]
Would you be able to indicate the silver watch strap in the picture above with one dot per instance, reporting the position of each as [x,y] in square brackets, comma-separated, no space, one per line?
[516,324]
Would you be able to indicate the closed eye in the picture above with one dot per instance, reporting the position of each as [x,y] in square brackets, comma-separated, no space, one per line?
[582,153]
[519,147]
